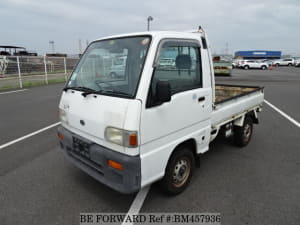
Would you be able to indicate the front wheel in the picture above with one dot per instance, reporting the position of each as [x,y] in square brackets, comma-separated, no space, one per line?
[242,135]
[179,171]
[263,67]
[246,67]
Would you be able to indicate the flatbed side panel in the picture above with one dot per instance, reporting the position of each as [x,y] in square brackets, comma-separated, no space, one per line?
[230,109]
[224,92]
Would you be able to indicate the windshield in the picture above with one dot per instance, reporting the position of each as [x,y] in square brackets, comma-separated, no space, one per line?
[111,67]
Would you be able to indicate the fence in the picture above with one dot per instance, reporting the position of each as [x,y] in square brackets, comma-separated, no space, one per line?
[25,71]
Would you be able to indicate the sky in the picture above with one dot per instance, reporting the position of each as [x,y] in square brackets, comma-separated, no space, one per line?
[230,24]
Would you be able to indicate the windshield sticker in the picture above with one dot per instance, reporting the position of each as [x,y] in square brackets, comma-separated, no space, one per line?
[145,41]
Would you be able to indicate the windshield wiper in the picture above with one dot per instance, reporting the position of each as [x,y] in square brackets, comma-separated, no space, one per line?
[88,91]
[79,88]
[117,92]
[84,94]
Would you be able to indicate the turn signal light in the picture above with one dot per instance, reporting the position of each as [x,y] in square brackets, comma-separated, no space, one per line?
[115,165]
[121,137]
[60,136]
[133,140]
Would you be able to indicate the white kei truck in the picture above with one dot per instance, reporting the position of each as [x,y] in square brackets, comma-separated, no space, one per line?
[153,123]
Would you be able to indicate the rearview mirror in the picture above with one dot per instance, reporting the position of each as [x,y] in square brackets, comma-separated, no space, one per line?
[163,91]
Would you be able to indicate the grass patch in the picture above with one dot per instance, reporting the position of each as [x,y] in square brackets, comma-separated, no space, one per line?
[29,84]
[37,73]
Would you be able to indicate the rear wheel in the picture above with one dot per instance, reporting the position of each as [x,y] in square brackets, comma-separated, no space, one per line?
[179,171]
[242,135]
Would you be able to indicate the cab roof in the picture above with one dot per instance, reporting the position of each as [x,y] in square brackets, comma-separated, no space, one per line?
[158,34]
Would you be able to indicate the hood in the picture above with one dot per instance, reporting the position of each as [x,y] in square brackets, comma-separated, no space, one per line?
[89,116]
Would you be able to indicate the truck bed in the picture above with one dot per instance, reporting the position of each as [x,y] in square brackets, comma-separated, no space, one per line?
[228,92]
[231,101]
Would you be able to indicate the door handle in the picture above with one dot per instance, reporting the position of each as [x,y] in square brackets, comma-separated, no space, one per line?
[201,99]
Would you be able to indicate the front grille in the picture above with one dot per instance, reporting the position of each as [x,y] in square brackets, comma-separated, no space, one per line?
[81,152]
[87,162]
[81,148]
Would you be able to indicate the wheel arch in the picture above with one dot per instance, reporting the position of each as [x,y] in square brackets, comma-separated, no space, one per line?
[253,116]
[240,121]
[191,144]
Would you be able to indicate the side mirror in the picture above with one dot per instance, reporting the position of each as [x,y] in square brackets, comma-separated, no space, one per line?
[163,91]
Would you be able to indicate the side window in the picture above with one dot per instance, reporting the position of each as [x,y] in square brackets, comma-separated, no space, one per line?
[180,65]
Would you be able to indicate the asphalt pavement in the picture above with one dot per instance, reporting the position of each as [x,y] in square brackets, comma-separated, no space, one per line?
[27,111]
[258,184]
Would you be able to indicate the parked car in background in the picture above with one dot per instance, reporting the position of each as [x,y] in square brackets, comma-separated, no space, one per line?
[284,62]
[167,63]
[118,67]
[268,61]
[222,65]
[235,63]
[297,63]
[239,63]
[254,64]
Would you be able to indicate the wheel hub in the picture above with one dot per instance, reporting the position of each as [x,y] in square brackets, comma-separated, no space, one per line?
[181,172]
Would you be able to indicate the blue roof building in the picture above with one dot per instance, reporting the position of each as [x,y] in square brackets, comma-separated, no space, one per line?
[258,54]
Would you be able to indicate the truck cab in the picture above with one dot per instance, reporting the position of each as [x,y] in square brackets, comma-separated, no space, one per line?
[155,122]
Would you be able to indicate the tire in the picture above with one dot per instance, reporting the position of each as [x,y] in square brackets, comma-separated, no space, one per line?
[263,67]
[179,171]
[277,64]
[242,135]
[246,67]
[289,64]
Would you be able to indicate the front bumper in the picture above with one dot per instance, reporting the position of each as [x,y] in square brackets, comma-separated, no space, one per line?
[93,159]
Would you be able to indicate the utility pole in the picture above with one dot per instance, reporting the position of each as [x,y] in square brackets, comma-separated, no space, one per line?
[150,18]
[226,48]
[52,46]
[80,46]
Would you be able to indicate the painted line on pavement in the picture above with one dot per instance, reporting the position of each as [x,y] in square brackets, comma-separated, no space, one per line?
[9,92]
[28,135]
[137,204]
[283,114]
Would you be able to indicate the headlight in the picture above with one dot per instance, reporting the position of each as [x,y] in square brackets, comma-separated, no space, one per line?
[63,116]
[121,137]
